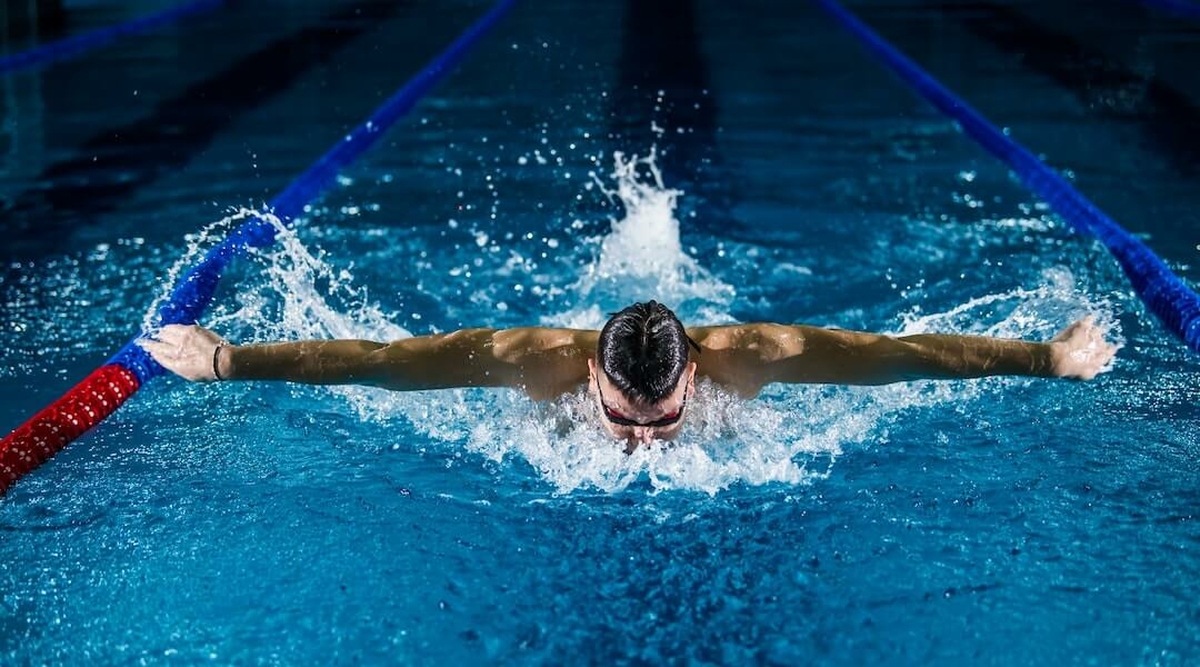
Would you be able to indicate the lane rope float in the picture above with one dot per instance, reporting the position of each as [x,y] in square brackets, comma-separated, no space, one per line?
[1183,8]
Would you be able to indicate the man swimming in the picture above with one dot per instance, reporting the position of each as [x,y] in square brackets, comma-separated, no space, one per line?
[640,368]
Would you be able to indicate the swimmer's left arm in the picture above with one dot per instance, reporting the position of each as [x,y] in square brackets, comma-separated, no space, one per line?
[770,353]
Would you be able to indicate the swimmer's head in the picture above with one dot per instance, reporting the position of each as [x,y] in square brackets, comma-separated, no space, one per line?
[641,373]
[644,351]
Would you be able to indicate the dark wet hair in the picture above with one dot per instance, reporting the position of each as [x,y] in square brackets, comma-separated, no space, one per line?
[644,350]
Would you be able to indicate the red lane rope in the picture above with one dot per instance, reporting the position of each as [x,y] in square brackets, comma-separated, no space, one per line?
[82,407]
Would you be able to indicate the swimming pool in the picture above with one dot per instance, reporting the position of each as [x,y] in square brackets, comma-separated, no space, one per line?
[1001,521]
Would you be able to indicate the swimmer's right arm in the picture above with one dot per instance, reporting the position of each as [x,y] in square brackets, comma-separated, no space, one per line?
[534,359]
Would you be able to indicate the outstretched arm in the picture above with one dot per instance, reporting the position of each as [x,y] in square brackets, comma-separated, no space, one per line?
[750,356]
[541,361]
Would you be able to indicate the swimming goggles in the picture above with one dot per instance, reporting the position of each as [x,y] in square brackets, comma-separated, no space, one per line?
[621,420]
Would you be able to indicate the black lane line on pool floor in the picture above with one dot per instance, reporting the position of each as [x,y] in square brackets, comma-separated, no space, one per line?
[661,51]
[117,162]
[1167,117]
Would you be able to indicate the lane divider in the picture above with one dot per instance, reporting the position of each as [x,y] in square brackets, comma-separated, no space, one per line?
[1184,8]
[1163,292]
[79,44]
[108,387]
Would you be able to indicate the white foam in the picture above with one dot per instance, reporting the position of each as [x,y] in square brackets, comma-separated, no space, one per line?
[733,442]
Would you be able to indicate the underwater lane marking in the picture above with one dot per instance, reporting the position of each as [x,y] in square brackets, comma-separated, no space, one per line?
[117,162]
[108,387]
[1163,292]
[665,97]
[1166,116]
[80,44]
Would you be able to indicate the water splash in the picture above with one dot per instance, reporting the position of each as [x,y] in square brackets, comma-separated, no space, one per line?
[293,292]
[727,441]
[1032,313]
[642,256]
[197,244]
[307,297]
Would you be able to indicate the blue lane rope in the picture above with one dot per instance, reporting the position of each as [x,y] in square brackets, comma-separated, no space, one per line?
[1163,292]
[73,46]
[1178,7]
[194,291]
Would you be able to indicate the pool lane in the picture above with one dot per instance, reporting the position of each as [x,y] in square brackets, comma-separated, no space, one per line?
[77,45]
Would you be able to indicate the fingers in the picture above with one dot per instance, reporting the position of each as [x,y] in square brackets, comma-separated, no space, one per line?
[178,334]
[185,335]
[1071,330]
[159,350]
[1110,353]
[172,334]
[1099,354]
[1085,351]
[1084,327]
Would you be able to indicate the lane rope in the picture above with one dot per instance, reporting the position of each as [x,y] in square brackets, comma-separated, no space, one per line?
[1163,292]
[79,44]
[108,387]
[1178,7]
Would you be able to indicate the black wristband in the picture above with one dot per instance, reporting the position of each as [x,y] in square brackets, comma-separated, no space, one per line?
[216,373]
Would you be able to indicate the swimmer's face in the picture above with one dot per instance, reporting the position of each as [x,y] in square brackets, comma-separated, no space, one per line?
[638,423]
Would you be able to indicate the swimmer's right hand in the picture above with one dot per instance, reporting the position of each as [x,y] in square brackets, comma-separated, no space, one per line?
[185,350]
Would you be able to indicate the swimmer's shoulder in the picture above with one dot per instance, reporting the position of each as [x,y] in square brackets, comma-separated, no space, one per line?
[519,342]
[550,362]
[764,340]
[736,356]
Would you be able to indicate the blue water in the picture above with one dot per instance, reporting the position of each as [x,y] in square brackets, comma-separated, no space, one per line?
[1004,521]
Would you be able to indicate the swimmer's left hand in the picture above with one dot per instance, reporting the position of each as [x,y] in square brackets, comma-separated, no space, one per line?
[1080,351]
[186,351]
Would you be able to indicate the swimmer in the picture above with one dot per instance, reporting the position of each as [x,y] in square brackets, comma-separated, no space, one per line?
[640,368]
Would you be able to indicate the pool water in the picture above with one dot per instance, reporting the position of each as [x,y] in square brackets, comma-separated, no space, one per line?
[737,161]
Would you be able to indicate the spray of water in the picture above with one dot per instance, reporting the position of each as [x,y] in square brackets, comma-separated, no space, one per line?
[197,245]
[642,256]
